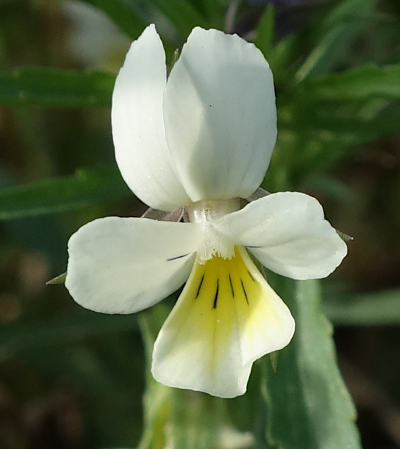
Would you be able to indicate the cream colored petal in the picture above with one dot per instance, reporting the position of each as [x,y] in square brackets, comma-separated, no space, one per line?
[287,232]
[220,116]
[123,265]
[138,125]
[226,317]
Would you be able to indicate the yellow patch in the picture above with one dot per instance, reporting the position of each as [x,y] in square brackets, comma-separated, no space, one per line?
[226,317]
[225,302]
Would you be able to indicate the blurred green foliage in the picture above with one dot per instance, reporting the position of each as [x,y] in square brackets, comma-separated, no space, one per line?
[55,195]
[50,87]
[71,378]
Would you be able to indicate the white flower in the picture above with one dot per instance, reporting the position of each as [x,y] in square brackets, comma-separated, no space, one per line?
[202,140]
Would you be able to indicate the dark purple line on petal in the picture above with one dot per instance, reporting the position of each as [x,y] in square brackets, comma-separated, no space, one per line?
[177,257]
[232,290]
[199,287]
[244,291]
[216,296]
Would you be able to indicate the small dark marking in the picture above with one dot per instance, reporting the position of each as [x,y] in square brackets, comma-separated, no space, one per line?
[252,277]
[253,246]
[216,296]
[230,281]
[244,291]
[199,287]
[177,257]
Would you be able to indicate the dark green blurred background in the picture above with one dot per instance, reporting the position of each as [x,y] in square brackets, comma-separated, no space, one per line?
[71,378]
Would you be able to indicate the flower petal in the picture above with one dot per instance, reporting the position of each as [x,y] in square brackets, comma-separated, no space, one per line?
[226,317]
[287,232]
[138,126]
[123,265]
[220,116]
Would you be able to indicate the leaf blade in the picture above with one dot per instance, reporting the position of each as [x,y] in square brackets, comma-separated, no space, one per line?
[61,194]
[55,88]
[16,338]
[265,31]
[370,309]
[307,402]
[121,14]
[182,15]
[357,84]
[335,32]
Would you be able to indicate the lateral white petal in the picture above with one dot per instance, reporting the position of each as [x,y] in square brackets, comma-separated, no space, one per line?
[287,232]
[123,265]
[220,116]
[226,317]
[138,126]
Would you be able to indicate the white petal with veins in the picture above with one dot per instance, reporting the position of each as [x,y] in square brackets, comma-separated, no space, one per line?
[123,265]
[287,232]
[226,317]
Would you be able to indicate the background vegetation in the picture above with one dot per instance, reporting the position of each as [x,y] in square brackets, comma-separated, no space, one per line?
[70,378]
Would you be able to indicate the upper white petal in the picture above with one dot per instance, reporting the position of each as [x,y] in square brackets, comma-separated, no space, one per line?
[226,317]
[220,116]
[138,125]
[287,232]
[123,265]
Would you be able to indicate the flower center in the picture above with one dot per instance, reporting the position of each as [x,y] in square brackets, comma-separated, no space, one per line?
[209,210]
[214,243]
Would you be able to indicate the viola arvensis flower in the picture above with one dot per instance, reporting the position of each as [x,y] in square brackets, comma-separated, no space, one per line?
[201,140]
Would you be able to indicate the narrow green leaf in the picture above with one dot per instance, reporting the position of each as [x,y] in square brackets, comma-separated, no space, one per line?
[247,413]
[281,60]
[265,31]
[316,134]
[121,14]
[60,194]
[214,12]
[369,309]
[157,397]
[181,14]
[197,420]
[308,406]
[20,337]
[360,83]
[333,35]
[58,88]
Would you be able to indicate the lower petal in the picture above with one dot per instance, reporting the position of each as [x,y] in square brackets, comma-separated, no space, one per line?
[226,317]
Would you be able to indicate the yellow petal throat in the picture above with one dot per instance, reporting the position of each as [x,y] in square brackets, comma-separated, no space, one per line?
[226,317]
